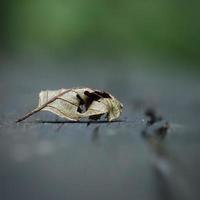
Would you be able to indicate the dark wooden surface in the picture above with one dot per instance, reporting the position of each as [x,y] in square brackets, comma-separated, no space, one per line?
[100,160]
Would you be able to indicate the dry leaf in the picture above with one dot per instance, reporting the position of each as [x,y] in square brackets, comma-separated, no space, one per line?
[77,103]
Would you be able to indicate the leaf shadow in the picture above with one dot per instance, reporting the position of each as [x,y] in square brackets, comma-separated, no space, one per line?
[74,122]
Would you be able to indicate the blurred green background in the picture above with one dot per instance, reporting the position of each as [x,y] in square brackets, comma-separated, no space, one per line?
[162,28]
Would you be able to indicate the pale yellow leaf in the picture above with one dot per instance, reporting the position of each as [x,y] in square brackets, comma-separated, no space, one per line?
[76,103]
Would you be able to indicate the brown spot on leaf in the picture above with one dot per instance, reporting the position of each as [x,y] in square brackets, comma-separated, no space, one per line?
[81,107]
[94,96]
[95,117]
[102,94]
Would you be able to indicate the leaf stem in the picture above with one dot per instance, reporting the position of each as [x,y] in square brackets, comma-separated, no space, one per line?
[41,107]
[29,114]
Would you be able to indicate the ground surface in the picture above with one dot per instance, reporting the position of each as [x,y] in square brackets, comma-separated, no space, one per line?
[99,160]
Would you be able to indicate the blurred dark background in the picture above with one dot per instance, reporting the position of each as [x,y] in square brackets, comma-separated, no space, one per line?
[144,52]
[167,29]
